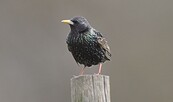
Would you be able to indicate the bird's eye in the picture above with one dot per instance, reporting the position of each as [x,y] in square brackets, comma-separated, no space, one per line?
[75,21]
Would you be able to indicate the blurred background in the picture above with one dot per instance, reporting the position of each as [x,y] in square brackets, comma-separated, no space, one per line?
[35,65]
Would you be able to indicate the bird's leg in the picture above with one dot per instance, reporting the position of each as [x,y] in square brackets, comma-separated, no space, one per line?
[100,69]
[82,71]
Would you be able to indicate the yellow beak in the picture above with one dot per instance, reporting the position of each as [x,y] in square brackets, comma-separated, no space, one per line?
[67,22]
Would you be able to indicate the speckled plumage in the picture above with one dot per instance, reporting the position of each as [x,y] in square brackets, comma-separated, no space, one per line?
[87,45]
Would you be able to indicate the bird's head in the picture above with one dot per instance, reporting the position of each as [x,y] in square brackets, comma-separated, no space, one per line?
[78,23]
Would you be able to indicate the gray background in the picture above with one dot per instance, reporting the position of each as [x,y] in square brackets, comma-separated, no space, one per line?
[35,65]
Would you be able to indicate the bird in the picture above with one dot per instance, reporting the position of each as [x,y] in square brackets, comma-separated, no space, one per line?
[87,45]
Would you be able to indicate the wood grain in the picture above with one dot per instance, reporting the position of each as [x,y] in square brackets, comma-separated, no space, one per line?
[90,88]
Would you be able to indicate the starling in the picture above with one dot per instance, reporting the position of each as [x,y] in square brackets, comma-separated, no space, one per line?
[87,45]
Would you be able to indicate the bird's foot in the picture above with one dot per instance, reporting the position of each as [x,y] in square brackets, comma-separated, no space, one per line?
[96,73]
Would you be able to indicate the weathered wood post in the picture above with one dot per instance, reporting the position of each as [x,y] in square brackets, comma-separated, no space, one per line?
[90,88]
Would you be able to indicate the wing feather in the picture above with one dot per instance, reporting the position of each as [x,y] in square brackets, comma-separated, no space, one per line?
[103,43]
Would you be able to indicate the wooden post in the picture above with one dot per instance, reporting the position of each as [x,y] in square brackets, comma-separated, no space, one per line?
[90,88]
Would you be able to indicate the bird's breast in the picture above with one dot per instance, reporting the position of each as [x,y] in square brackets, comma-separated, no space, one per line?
[80,39]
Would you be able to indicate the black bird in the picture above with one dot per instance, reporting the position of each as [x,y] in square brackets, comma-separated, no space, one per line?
[87,45]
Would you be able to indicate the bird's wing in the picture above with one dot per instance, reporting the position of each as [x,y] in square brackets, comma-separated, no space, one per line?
[103,43]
